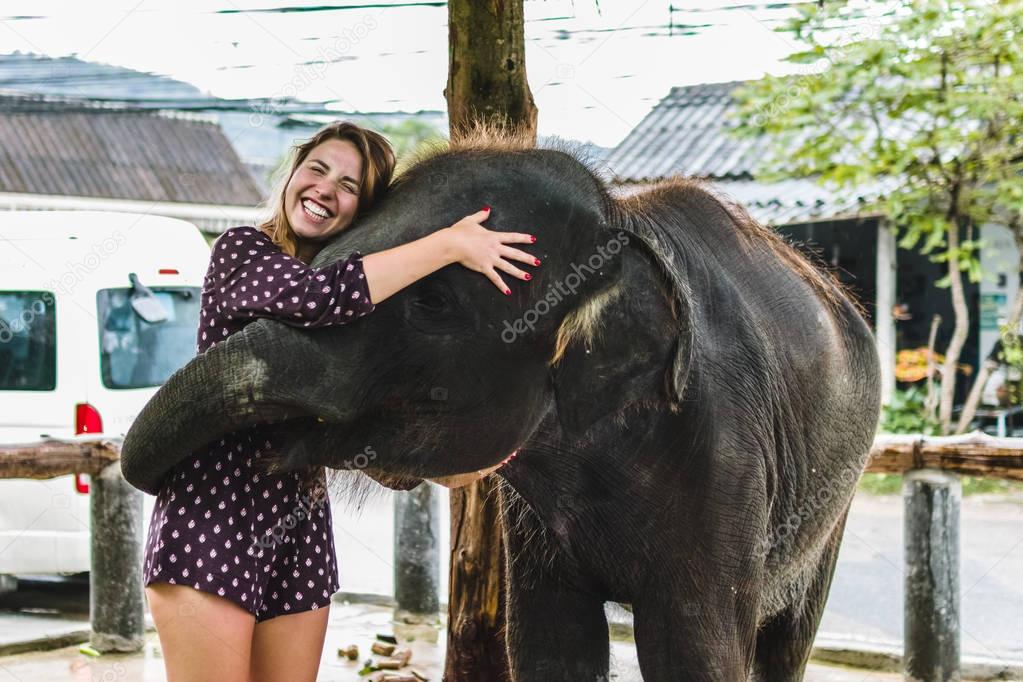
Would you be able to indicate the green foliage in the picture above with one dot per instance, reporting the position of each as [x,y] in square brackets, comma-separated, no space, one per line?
[409,136]
[906,413]
[1012,347]
[926,95]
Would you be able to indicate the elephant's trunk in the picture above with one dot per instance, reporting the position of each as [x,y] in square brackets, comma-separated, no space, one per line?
[266,372]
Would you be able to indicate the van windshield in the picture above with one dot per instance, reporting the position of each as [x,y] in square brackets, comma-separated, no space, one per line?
[28,350]
[137,354]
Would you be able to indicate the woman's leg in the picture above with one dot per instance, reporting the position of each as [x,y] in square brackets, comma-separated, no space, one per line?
[203,636]
[289,647]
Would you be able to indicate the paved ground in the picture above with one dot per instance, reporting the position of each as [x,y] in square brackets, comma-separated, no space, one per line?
[349,624]
[865,603]
[867,592]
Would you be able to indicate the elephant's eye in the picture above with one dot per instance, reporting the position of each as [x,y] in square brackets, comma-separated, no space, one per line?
[431,302]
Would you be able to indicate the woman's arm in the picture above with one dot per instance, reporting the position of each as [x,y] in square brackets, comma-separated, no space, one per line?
[466,242]
[251,277]
[254,278]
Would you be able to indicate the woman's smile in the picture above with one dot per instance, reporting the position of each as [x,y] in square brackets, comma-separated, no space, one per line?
[322,195]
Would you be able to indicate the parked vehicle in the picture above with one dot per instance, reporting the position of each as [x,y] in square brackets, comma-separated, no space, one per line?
[97,309]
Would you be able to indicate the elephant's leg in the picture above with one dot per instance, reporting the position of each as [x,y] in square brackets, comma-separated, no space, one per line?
[784,642]
[695,634]
[555,632]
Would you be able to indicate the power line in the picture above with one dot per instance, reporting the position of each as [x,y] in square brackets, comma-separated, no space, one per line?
[328,8]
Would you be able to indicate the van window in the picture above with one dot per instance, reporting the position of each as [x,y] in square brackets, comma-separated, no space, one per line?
[28,348]
[136,354]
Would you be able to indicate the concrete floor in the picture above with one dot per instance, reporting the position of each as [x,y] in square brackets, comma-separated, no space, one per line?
[349,624]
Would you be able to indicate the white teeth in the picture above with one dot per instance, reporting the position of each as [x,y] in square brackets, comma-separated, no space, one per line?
[315,209]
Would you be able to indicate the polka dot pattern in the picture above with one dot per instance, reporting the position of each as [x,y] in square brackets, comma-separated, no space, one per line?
[264,541]
[249,277]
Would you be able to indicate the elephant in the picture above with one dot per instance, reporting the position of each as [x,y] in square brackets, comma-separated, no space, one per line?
[690,400]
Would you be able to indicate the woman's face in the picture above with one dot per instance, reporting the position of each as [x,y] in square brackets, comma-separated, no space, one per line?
[322,195]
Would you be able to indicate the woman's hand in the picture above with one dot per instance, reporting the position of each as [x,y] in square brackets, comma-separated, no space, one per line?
[485,251]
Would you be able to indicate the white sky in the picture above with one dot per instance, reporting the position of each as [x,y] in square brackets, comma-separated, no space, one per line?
[594,85]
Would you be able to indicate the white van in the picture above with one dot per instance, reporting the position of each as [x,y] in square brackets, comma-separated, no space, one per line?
[97,309]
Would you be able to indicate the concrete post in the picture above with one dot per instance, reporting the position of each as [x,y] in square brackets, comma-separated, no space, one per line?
[116,597]
[932,638]
[417,550]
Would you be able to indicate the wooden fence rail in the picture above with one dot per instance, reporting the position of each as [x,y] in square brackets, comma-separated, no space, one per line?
[931,493]
[971,454]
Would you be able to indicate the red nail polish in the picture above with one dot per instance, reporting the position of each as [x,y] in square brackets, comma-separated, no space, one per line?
[507,292]
[528,276]
[532,238]
[486,208]
[536,261]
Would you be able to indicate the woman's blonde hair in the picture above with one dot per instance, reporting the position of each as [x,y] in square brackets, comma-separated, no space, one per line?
[377,168]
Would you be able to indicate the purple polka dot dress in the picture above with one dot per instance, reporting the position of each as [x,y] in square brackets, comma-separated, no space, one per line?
[221,524]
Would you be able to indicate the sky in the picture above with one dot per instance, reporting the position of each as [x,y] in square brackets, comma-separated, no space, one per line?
[595,67]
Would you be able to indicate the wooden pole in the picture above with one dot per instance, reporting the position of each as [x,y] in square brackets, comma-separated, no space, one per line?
[487,67]
[486,84]
[932,635]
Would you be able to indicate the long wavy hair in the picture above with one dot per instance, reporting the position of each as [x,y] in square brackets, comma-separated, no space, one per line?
[378,161]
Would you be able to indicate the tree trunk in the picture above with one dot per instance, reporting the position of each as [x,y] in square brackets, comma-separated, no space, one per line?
[476,647]
[486,84]
[487,66]
[991,363]
[931,401]
[959,333]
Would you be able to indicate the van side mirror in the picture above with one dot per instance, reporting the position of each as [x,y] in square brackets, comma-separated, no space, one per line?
[145,303]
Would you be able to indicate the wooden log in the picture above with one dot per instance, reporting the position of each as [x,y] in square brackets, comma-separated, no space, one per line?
[58,457]
[971,454]
[476,647]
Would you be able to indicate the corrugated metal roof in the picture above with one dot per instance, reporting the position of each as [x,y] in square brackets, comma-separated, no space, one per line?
[687,133]
[787,202]
[67,147]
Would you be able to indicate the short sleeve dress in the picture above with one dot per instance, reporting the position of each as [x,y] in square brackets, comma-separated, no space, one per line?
[221,524]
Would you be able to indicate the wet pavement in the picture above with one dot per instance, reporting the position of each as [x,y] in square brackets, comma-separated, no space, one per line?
[865,605]
[349,624]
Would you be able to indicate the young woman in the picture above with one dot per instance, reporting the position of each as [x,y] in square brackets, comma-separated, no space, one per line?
[234,599]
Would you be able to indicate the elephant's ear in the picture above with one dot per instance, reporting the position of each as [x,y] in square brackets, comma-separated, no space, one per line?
[622,346]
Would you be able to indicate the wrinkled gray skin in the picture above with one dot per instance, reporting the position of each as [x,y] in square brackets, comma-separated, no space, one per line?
[695,457]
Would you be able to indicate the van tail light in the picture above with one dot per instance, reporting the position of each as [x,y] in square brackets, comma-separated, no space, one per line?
[169,271]
[87,420]
[81,484]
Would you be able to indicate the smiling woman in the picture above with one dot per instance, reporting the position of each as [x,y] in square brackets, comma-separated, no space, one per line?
[201,553]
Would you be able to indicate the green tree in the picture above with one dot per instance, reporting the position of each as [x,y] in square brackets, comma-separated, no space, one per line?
[925,97]
[409,136]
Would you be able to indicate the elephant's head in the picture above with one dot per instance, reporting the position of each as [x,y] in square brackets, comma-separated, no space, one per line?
[448,375]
